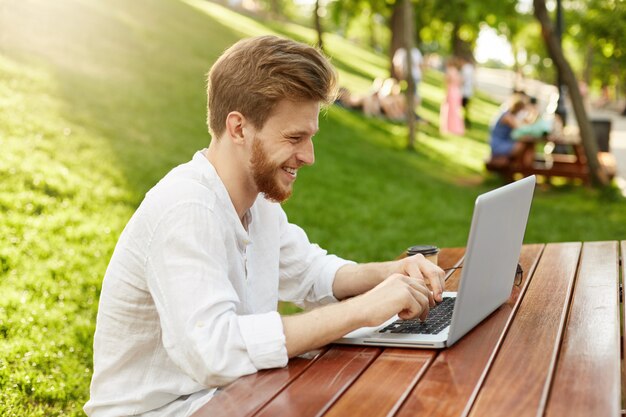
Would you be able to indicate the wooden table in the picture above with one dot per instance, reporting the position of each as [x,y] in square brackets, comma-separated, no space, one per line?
[554,349]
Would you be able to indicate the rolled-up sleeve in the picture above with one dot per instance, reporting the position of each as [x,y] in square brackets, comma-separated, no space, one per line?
[264,337]
[307,271]
[187,275]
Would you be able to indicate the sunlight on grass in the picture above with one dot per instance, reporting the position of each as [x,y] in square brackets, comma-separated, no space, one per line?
[458,151]
[369,65]
[99,100]
[244,25]
[54,249]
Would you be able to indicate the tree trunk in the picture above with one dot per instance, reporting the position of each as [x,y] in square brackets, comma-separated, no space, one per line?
[396,25]
[275,9]
[457,42]
[598,175]
[318,25]
[410,94]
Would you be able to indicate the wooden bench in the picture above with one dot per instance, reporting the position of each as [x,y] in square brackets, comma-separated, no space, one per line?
[549,164]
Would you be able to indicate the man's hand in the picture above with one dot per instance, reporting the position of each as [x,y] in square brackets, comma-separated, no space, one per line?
[398,294]
[417,266]
[356,279]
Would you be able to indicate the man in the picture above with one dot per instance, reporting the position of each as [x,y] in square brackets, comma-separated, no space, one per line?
[399,67]
[188,302]
[467,73]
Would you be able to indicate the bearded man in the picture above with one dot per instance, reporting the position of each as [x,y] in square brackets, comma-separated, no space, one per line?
[188,302]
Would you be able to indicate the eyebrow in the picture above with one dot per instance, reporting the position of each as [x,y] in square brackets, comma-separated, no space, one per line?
[300,132]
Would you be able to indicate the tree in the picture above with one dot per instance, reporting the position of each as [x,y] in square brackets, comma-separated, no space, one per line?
[318,24]
[346,12]
[601,34]
[464,18]
[598,175]
[408,47]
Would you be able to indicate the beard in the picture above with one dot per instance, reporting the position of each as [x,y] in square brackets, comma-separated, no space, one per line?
[264,173]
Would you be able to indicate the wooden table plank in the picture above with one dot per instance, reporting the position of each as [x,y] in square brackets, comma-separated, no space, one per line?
[451,381]
[247,395]
[322,383]
[524,364]
[385,384]
[587,382]
[450,257]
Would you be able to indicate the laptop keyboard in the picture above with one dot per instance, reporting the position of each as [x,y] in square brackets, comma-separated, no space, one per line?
[438,319]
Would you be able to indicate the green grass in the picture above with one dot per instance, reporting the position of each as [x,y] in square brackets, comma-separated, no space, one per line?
[99,100]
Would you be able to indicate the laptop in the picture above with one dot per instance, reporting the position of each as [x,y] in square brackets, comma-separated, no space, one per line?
[488,272]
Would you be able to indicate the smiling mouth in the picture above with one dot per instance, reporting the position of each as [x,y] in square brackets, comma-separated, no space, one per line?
[292,171]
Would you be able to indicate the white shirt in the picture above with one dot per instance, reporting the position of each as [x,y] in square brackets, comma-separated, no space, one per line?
[399,62]
[467,72]
[189,299]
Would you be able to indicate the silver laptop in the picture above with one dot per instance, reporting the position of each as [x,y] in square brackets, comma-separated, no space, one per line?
[488,272]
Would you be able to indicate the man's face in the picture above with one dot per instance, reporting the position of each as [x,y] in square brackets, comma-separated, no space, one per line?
[282,146]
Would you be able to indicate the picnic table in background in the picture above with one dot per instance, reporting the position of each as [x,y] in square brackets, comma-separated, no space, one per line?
[571,162]
[553,349]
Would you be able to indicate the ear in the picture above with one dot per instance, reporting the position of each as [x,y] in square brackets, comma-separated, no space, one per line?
[236,124]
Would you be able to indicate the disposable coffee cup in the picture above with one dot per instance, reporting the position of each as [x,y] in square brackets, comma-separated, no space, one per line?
[430,252]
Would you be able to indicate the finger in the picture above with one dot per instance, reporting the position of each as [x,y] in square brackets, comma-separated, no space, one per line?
[420,285]
[423,268]
[412,307]
[436,279]
[424,303]
[412,266]
[442,281]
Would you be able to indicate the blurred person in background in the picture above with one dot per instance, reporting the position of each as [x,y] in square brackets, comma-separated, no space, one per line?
[503,146]
[467,73]
[450,117]
[399,68]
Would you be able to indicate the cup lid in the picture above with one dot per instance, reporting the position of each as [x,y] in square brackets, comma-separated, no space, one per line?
[423,249]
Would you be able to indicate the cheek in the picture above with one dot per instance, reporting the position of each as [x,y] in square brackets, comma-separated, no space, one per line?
[282,154]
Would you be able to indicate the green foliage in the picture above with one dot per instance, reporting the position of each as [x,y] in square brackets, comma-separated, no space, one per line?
[592,39]
[599,31]
[98,101]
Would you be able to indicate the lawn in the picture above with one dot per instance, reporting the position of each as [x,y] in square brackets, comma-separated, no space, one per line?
[98,100]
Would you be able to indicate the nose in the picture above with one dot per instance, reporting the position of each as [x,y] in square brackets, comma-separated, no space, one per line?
[306,153]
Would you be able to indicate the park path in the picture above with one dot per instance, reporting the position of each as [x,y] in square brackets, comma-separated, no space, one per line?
[499,84]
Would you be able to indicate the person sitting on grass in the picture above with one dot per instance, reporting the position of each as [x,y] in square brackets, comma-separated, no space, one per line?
[347,100]
[189,299]
[386,101]
[392,101]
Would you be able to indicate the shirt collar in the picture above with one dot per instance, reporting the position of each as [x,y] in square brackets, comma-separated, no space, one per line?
[213,180]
